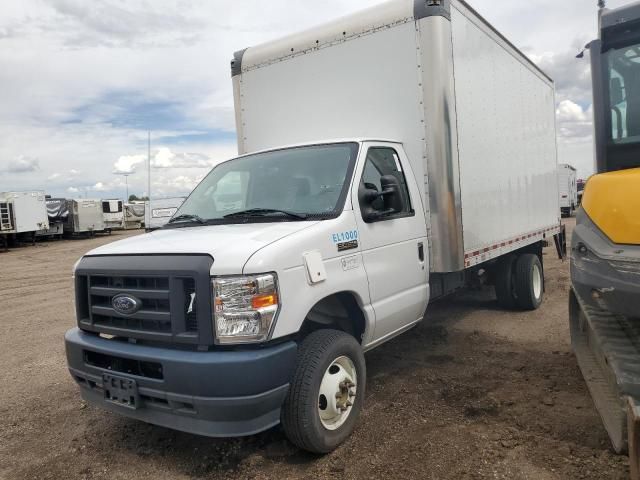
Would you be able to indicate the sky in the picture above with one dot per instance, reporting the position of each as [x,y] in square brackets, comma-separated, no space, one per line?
[81,83]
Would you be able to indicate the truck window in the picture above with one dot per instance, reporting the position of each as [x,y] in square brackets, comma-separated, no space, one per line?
[307,181]
[624,93]
[383,161]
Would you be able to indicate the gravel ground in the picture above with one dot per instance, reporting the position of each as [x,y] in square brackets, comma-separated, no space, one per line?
[474,392]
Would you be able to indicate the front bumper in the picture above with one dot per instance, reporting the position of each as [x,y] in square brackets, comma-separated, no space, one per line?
[216,394]
[605,276]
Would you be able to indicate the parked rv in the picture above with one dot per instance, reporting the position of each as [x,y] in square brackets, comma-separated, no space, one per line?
[113,214]
[134,216]
[57,212]
[85,217]
[160,210]
[568,189]
[255,303]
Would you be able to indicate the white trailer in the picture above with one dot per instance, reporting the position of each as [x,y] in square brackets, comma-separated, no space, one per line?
[113,214]
[29,213]
[567,189]
[160,210]
[85,216]
[317,250]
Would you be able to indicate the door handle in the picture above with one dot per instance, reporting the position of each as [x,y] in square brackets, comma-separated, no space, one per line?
[421,251]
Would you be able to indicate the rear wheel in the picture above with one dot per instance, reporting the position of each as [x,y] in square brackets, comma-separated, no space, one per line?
[529,281]
[326,393]
[505,282]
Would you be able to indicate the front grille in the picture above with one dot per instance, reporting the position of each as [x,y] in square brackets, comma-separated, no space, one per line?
[173,296]
[154,315]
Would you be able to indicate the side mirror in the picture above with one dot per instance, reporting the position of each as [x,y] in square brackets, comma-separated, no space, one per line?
[376,205]
[393,201]
[617,91]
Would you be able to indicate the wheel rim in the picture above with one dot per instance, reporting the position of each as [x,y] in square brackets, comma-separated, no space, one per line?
[337,393]
[537,282]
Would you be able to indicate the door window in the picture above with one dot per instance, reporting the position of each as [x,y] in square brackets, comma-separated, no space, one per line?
[383,161]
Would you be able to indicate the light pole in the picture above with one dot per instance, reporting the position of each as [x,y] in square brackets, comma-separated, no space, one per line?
[126,182]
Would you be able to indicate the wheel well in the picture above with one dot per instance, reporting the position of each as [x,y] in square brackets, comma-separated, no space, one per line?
[535,248]
[340,311]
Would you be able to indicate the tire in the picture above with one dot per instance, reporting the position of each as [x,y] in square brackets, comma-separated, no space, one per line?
[301,413]
[505,282]
[529,282]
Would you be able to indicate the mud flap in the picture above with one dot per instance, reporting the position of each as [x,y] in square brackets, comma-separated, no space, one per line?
[560,240]
[633,426]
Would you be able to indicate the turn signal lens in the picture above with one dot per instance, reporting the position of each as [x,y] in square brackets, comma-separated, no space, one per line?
[262,301]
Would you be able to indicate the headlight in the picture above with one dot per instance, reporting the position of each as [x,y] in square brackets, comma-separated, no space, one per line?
[244,307]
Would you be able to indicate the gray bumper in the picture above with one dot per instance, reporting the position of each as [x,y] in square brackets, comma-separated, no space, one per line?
[216,394]
[605,275]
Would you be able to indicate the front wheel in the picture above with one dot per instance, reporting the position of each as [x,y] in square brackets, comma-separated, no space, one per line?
[326,393]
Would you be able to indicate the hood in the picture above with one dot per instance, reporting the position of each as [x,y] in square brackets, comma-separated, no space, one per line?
[229,245]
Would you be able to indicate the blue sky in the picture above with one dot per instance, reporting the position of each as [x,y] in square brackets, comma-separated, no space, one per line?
[82,82]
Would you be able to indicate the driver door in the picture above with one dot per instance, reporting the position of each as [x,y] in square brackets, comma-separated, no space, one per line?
[394,246]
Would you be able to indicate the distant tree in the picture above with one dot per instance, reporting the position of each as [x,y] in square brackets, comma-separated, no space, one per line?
[135,198]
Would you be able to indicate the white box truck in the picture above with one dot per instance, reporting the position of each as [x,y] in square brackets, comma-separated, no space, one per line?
[254,305]
[567,189]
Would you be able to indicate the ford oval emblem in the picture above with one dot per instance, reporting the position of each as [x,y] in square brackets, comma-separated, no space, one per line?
[126,304]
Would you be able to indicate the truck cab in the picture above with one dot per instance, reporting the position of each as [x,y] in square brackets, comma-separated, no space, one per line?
[324,237]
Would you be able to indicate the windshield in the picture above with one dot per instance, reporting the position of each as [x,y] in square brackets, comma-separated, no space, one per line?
[623,76]
[283,185]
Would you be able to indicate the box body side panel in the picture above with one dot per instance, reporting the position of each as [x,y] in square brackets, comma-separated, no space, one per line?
[506,139]
[30,212]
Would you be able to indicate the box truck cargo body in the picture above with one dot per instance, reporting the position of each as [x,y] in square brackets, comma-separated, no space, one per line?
[482,140]
[567,189]
[284,265]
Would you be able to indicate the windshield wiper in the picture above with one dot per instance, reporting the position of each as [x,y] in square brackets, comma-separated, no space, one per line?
[264,212]
[188,218]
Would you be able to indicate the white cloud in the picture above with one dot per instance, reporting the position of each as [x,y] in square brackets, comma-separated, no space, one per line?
[23,164]
[123,57]
[575,124]
[162,158]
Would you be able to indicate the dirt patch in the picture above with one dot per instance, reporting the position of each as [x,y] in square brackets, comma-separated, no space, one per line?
[474,392]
